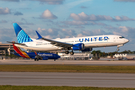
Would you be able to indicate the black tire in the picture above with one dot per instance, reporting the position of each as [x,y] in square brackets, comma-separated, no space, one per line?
[72,53]
[35,59]
[66,52]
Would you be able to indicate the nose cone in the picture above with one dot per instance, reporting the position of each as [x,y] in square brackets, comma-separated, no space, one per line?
[58,56]
[126,41]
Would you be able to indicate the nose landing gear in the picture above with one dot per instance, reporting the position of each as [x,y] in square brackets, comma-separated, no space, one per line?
[118,47]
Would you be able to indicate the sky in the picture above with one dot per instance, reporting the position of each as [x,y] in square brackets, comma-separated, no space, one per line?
[69,18]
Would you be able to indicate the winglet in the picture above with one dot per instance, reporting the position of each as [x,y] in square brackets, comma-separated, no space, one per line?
[39,36]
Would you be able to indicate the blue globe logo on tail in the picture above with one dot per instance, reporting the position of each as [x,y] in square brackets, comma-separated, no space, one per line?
[20,34]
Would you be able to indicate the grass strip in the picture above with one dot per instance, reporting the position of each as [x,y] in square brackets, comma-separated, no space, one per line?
[8,87]
[67,68]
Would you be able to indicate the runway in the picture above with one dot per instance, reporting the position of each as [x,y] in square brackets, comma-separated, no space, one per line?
[67,79]
[66,62]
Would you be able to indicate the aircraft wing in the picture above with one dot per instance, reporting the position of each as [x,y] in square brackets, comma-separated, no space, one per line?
[56,43]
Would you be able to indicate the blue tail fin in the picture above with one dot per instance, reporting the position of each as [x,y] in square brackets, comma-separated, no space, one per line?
[20,34]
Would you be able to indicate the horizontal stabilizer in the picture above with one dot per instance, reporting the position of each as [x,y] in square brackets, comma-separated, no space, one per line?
[16,43]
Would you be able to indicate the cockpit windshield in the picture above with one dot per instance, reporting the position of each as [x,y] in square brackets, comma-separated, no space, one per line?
[121,37]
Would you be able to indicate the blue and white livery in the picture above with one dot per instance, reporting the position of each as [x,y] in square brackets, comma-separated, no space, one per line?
[77,43]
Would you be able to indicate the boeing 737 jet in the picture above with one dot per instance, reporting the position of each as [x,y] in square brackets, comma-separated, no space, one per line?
[68,44]
[34,55]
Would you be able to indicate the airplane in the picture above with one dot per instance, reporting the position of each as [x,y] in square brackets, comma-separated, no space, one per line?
[86,43]
[34,55]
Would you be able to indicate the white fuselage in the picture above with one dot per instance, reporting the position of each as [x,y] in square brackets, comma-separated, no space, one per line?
[88,41]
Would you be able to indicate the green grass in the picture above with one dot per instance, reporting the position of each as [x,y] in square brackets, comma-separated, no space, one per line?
[8,87]
[67,68]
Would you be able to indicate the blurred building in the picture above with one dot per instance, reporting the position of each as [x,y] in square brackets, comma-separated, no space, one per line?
[76,56]
[5,49]
[125,56]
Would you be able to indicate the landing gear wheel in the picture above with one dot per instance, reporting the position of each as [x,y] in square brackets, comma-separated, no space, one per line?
[35,59]
[67,52]
[72,53]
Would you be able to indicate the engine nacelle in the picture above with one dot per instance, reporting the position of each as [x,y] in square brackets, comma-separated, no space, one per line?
[79,46]
[87,50]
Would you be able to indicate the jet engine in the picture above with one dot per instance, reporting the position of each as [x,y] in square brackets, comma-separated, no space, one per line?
[79,46]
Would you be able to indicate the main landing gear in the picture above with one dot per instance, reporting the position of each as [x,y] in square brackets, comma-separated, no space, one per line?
[72,53]
[67,52]
[36,59]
